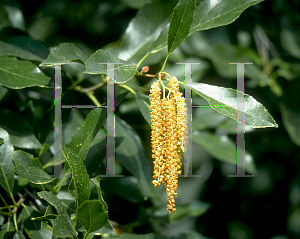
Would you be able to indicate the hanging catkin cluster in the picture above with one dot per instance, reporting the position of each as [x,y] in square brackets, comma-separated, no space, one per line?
[168,137]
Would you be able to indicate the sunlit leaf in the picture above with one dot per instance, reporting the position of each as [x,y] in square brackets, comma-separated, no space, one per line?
[123,70]
[65,53]
[256,115]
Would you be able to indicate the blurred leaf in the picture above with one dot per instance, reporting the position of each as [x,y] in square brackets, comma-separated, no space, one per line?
[123,72]
[62,226]
[6,163]
[65,53]
[290,43]
[181,22]
[126,187]
[15,16]
[17,74]
[80,179]
[144,29]
[33,228]
[84,135]
[19,130]
[189,235]
[204,118]
[230,126]
[4,22]
[256,115]
[24,47]
[130,154]
[194,209]
[5,232]
[144,105]
[120,98]
[222,148]
[92,215]
[210,14]
[291,119]
[19,235]
[134,236]
[1,141]
[222,54]
[136,4]
[33,174]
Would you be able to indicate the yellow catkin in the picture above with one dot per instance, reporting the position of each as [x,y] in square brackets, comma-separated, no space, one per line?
[168,137]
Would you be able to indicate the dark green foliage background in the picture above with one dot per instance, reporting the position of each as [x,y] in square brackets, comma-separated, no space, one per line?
[213,206]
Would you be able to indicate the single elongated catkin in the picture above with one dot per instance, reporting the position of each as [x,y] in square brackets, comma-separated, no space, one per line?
[168,137]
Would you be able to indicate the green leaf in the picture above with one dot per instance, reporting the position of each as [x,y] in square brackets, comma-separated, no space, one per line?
[24,47]
[130,154]
[62,225]
[23,158]
[290,43]
[4,22]
[46,225]
[123,72]
[193,209]
[33,228]
[46,217]
[210,14]
[1,141]
[6,231]
[136,4]
[222,148]
[19,235]
[33,174]
[120,97]
[181,22]
[127,188]
[62,228]
[92,215]
[256,115]
[85,134]
[80,178]
[96,181]
[18,74]
[207,15]
[145,28]
[144,105]
[6,163]
[20,131]
[106,229]
[291,119]
[65,53]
